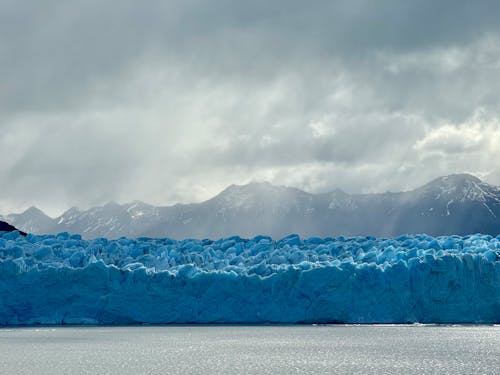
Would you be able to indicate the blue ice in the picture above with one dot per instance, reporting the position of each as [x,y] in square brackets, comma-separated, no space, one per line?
[62,279]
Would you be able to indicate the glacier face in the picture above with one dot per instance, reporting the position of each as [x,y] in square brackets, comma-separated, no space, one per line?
[62,279]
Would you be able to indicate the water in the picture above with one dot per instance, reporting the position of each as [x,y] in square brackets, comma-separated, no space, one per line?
[251,350]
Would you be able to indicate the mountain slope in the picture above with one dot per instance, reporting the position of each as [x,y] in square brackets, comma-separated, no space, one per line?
[455,204]
[32,220]
[6,227]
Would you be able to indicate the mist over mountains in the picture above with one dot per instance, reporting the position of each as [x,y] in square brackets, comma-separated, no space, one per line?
[455,204]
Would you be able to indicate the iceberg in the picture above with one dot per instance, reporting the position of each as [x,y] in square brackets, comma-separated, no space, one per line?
[63,279]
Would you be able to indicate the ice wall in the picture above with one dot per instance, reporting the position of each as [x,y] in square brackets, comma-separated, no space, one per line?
[65,280]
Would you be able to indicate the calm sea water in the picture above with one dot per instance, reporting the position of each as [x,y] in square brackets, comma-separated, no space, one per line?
[251,350]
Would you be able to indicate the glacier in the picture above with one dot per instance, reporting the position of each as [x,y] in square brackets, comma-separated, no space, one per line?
[63,279]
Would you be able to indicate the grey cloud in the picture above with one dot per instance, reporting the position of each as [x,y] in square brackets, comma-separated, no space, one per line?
[69,48]
[171,101]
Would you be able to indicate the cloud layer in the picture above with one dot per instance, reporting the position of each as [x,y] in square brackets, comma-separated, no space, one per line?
[173,101]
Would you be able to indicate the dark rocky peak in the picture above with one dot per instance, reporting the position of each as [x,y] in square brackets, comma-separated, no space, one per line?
[6,227]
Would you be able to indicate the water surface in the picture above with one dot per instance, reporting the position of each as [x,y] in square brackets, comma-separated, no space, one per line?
[250,350]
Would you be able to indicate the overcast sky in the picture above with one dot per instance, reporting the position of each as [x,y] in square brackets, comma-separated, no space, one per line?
[171,101]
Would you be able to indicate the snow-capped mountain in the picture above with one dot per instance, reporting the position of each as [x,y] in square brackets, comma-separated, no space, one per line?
[32,220]
[455,204]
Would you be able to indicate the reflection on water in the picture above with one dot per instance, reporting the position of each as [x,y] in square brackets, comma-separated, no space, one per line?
[250,349]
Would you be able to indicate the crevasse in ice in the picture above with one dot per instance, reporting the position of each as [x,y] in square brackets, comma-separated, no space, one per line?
[63,279]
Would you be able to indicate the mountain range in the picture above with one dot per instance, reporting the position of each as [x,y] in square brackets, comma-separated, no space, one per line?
[455,204]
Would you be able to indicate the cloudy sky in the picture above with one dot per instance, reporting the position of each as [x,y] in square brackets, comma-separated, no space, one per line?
[171,101]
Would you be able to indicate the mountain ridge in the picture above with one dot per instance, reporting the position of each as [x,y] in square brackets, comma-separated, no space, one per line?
[453,204]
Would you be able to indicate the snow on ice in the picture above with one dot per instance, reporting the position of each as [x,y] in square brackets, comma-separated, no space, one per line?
[63,279]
